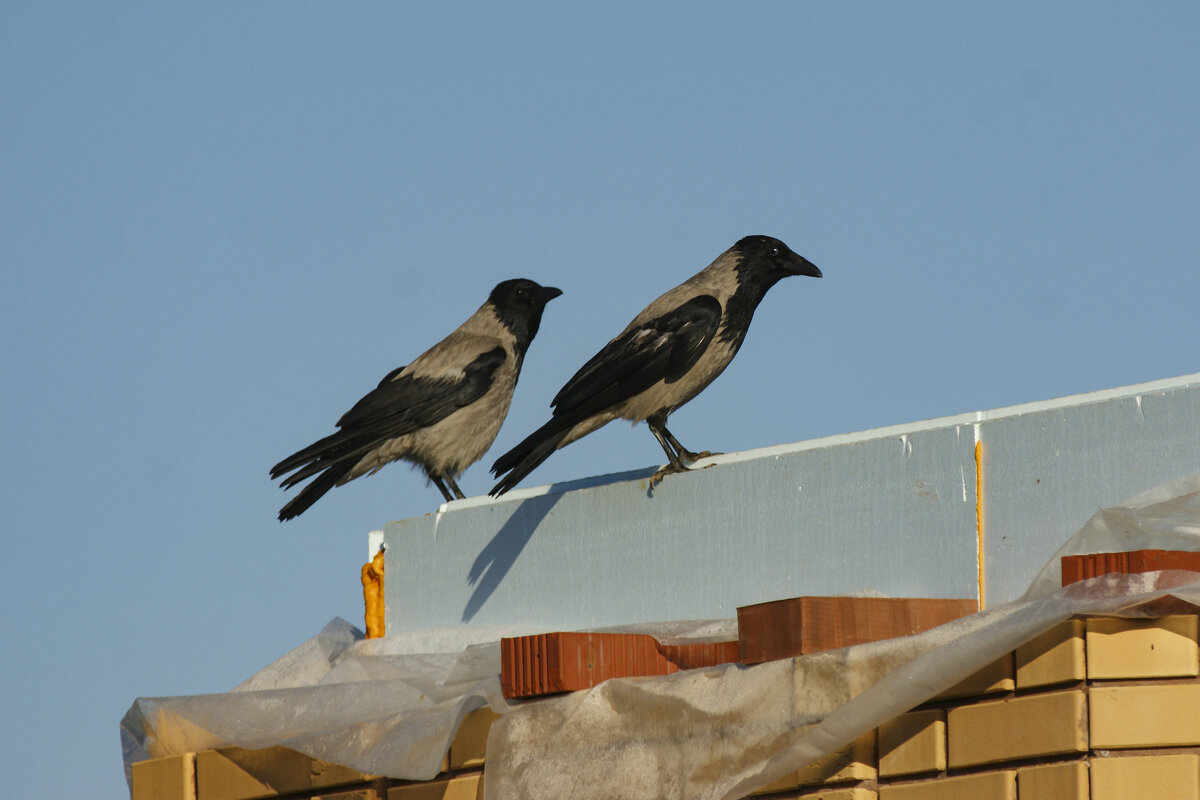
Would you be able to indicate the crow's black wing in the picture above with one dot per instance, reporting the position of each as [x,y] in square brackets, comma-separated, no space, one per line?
[401,405]
[404,403]
[663,348]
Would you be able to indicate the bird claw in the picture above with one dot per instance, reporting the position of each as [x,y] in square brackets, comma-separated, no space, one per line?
[688,455]
[664,471]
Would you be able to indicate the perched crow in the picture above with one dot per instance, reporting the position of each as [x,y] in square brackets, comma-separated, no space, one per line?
[440,412]
[667,355]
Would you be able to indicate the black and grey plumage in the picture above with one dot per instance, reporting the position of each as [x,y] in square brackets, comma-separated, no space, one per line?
[441,412]
[666,356]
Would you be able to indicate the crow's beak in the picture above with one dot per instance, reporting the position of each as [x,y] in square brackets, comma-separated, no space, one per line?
[799,265]
[550,292]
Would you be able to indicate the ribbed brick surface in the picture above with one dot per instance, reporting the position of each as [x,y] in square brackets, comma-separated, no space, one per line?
[810,624]
[701,654]
[547,663]
[1082,567]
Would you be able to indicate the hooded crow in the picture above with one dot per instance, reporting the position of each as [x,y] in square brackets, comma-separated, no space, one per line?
[441,412]
[677,346]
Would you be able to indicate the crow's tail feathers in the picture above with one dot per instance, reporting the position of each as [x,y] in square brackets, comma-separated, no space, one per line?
[315,490]
[334,446]
[513,466]
[330,459]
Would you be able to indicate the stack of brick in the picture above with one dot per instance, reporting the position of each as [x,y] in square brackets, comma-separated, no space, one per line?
[1101,708]
[277,773]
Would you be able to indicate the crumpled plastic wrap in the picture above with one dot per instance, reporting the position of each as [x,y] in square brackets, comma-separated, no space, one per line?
[388,706]
[391,706]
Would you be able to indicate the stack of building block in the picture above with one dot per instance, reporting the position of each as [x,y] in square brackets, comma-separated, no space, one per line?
[277,773]
[1103,708]
[548,663]
[1093,709]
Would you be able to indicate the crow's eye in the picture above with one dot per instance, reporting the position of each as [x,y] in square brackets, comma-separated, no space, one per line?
[774,251]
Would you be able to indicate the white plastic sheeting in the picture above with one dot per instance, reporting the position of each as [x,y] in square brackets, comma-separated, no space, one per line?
[391,706]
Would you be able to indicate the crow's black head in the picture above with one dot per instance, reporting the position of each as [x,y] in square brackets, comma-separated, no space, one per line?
[769,256]
[519,304]
[764,262]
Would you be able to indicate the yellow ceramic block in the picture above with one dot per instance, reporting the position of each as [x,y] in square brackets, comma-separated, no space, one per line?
[1144,716]
[1056,656]
[1142,648]
[839,793]
[1019,727]
[1066,781]
[467,749]
[170,778]
[1173,776]
[985,786]
[913,743]
[992,679]
[232,773]
[461,787]
[854,762]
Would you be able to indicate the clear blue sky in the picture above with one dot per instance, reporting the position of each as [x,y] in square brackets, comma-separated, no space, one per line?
[222,224]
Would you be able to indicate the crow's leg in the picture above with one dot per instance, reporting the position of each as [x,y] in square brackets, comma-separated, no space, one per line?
[680,450]
[437,481]
[454,487]
[674,464]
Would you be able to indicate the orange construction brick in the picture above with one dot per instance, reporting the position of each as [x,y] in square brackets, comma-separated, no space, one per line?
[547,663]
[1082,567]
[801,625]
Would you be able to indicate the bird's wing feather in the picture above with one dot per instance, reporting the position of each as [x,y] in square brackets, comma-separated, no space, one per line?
[662,348]
[391,375]
[404,402]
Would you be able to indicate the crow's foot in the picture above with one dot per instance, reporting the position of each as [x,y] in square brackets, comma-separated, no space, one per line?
[664,471]
[688,455]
